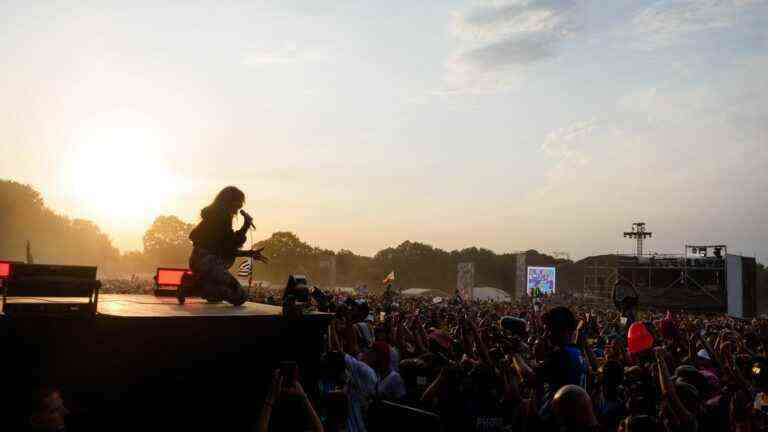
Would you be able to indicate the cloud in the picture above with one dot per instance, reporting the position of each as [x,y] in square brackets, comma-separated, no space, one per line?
[495,21]
[289,53]
[498,42]
[667,21]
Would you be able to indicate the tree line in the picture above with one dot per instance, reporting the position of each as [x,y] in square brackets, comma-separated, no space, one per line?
[58,239]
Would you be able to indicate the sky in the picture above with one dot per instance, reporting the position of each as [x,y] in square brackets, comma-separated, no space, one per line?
[511,125]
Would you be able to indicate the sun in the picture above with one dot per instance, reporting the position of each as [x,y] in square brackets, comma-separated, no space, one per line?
[117,174]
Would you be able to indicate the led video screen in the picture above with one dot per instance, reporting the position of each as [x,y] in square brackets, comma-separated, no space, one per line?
[541,280]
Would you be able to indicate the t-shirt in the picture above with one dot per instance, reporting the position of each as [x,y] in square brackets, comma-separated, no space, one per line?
[562,366]
[391,387]
[365,334]
[360,390]
[610,412]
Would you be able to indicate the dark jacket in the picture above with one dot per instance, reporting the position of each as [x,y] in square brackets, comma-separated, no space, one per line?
[215,234]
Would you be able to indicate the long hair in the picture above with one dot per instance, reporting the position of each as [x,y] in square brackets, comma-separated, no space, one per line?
[225,196]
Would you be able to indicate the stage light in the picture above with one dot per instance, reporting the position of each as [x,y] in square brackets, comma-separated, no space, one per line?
[5,270]
[170,277]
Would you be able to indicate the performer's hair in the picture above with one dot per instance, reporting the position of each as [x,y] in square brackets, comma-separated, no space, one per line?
[225,196]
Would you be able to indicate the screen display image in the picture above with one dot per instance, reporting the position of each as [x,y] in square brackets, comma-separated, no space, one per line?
[541,280]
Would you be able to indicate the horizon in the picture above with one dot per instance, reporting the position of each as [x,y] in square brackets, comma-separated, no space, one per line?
[509,125]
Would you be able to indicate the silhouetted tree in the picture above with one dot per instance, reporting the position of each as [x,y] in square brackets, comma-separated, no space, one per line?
[54,238]
[166,242]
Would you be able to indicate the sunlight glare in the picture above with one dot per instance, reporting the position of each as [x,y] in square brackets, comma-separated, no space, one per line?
[118,174]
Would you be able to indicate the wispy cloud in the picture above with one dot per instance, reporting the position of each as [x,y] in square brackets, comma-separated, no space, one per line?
[497,42]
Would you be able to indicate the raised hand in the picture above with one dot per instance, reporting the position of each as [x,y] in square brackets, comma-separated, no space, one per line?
[295,389]
[275,389]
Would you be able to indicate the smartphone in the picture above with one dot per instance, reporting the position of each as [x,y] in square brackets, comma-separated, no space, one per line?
[288,371]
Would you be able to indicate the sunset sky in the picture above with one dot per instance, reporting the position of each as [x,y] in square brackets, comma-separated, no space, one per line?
[510,125]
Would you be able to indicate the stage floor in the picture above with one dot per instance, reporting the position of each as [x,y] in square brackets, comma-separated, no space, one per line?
[129,305]
[150,306]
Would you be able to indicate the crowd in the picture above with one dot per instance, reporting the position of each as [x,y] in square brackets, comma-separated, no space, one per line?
[529,366]
[534,365]
[133,285]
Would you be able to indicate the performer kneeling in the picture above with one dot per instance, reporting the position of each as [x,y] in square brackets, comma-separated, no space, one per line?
[216,245]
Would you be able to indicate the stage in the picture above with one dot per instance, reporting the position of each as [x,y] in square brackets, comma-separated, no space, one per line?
[149,306]
[147,362]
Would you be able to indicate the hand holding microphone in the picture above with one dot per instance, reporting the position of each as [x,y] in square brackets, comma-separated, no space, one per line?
[248,219]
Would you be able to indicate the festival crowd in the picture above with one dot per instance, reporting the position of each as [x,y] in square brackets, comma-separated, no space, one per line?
[528,366]
[552,364]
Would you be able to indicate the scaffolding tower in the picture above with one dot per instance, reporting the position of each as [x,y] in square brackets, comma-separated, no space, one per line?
[639,234]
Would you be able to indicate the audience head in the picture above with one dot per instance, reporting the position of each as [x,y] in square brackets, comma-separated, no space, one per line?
[561,323]
[49,411]
[573,408]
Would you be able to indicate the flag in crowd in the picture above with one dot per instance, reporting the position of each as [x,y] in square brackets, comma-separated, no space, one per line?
[390,278]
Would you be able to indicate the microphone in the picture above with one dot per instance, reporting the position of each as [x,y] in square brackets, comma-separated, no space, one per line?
[248,217]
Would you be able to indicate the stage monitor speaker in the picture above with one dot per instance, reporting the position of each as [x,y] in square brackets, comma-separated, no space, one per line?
[41,289]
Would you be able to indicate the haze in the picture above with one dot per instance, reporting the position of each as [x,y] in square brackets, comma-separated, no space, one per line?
[511,125]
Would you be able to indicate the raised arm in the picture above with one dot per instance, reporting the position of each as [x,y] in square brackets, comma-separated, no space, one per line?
[716,360]
[431,392]
[269,402]
[668,389]
[485,356]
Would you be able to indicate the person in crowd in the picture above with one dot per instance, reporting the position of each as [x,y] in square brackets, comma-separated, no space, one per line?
[287,407]
[343,372]
[562,362]
[626,300]
[390,385]
[49,412]
[363,319]
[610,398]
[573,409]
[216,245]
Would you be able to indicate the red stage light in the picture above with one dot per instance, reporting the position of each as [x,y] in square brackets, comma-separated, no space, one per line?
[5,269]
[170,277]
